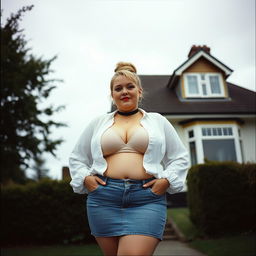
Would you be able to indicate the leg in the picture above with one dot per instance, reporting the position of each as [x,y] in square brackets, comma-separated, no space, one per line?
[108,245]
[137,245]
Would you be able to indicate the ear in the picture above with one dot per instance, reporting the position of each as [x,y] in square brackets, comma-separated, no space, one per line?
[112,101]
[140,92]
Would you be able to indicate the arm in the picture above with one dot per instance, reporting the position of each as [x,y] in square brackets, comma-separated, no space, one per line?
[80,160]
[175,160]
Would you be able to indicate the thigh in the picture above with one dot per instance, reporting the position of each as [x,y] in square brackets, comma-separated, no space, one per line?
[108,245]
[137,245]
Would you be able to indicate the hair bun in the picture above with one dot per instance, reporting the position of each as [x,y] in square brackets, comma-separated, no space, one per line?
[125,66]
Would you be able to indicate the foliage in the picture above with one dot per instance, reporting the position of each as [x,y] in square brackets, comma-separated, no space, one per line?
[25,125]
[221,197]
[180,216]
[54,250]
[235,245]
[43,212]
[40,170]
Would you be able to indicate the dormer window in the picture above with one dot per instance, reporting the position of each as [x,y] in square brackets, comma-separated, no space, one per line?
[203,85]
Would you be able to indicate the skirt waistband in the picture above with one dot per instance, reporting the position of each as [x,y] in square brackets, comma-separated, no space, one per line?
[125,181]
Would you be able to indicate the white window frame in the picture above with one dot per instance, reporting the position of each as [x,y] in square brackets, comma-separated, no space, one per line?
[191,139]
[198,138]
[209,93]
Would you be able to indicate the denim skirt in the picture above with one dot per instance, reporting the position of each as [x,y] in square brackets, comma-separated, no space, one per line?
[124,207]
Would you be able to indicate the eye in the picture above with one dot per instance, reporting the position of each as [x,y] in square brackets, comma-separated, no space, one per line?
[131,86]
[118,89]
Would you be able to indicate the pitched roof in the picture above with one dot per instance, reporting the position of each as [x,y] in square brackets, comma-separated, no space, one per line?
[159,98]
[201,52]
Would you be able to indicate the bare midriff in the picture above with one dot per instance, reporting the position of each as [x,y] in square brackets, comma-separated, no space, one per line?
[126,166]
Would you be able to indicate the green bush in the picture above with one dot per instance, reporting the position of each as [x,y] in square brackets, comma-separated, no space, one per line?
[43,213]
[221,197]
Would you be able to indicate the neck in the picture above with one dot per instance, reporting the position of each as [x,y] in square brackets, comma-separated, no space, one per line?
[128,113]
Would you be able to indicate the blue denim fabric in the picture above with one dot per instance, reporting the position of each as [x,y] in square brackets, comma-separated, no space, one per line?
[124,207]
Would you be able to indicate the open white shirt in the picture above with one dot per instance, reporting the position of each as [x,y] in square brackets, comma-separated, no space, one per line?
[165,157]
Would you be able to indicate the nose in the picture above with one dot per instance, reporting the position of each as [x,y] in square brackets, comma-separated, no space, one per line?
[124,91]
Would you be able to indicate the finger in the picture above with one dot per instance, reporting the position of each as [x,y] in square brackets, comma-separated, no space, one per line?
[99,180]
[148,184]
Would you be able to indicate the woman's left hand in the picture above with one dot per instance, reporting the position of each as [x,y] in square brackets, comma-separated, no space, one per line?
[158,186]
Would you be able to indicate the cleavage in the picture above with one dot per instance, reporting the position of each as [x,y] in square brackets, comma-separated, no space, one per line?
[126,140]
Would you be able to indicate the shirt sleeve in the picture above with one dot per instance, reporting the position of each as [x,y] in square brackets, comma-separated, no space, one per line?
[175,160]
[80,160]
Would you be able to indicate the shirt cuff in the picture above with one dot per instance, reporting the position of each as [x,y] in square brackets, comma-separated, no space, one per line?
[77,183]
[176,185]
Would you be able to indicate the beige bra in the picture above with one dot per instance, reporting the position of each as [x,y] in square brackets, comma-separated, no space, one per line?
[112,143]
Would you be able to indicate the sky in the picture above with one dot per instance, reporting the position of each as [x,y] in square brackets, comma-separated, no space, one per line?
[90,36]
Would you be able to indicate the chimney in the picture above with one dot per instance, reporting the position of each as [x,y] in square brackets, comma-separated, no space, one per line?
[65,173]
[196,48]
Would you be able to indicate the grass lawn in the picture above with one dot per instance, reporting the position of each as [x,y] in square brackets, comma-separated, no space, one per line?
[227,246]
[238,245]
[181,219]
[56,250]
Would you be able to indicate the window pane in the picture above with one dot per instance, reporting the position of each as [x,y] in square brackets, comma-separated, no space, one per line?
[204,89]
[192,147]
[225,131]
[219,131]
[203,76]
[215,84]
[204,131]
[214,131]
[230,132]
[192,85]
[191,134]
[219,150]
[209,131]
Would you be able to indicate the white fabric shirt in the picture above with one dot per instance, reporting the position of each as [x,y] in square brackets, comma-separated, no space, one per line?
[165,157]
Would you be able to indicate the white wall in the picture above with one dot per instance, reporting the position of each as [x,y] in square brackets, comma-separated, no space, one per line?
[181,132]
[248,136]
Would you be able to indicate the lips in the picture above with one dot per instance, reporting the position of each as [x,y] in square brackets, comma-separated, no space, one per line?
[125,98]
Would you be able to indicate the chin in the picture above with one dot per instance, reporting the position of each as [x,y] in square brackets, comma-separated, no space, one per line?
[126,105]
[128,109]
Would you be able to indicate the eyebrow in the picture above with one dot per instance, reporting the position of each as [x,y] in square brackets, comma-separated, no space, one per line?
[122,85]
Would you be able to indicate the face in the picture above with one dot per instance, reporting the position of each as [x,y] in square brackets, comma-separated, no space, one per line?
[125,94]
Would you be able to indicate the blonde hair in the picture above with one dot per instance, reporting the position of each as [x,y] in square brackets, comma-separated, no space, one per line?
[128,70]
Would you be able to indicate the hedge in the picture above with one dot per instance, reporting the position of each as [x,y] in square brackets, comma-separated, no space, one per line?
[45,212]
[221,197]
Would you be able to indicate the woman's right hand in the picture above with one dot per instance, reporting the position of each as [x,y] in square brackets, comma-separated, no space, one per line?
[92,182]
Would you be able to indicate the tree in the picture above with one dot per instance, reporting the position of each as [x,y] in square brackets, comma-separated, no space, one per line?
[40,170]
[25,85]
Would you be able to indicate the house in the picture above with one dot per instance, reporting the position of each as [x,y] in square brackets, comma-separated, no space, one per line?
[215,119]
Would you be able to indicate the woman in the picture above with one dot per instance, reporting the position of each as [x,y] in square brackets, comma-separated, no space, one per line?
[126,161]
